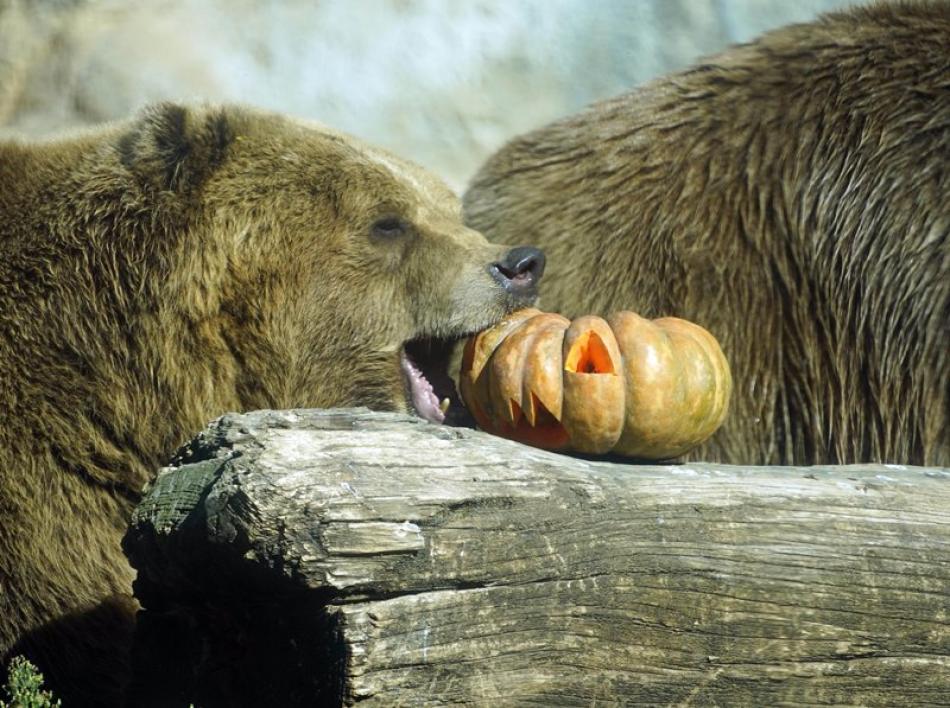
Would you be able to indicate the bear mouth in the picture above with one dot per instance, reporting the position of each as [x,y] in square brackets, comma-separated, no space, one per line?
[430,389]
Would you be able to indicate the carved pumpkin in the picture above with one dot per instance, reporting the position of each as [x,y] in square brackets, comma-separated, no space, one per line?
[644,388]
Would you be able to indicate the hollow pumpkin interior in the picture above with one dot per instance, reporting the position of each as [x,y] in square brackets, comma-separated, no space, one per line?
[589,355]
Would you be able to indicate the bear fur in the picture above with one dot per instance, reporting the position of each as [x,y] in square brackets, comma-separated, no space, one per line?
[157,273]
[792,196]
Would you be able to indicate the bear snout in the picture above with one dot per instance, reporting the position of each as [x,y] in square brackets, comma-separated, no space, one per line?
[520,270]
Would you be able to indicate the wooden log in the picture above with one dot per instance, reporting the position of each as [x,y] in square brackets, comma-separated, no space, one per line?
[335,557]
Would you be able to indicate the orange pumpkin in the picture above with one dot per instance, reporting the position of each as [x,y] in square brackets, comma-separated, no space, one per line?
[644,388]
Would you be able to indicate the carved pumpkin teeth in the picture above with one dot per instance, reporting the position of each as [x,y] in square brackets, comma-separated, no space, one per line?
[514,412]
[540,414]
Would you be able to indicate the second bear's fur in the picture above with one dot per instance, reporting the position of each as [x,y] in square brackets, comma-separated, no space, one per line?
[793,197]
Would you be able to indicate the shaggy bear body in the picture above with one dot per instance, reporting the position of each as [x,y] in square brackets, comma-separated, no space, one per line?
[792,196]
[157,273]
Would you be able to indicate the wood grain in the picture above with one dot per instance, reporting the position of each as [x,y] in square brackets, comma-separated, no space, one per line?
[344,556]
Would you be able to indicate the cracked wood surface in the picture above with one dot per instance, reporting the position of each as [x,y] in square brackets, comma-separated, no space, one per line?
[346,556]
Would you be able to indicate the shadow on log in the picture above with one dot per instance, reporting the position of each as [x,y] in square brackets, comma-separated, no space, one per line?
[342,556]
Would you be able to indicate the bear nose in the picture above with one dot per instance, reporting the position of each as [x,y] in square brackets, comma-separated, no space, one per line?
[520,270]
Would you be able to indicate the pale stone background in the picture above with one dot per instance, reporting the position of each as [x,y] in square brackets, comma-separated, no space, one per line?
[443,82]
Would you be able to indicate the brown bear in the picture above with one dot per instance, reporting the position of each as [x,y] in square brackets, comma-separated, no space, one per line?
[160,272]
[791,195]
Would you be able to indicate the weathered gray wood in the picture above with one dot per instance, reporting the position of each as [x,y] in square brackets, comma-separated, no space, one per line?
[344,556]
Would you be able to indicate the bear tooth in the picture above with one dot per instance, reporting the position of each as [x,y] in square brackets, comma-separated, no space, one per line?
[444,406]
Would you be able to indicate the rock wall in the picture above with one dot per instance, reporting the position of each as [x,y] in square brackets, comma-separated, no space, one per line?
[443,83]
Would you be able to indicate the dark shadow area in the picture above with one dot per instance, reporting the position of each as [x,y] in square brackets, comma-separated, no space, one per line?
[91,654]
[255,654]
[217,630]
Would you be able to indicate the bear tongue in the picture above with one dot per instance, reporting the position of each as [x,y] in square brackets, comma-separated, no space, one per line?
[424,399]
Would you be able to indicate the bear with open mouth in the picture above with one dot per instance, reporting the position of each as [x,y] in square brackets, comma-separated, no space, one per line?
[157,273]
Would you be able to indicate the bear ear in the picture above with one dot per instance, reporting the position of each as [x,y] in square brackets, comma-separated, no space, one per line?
[172,147]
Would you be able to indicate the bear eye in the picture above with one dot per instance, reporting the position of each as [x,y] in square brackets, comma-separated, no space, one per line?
[390,227]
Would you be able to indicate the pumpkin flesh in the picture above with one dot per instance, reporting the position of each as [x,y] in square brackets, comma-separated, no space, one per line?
[593,410]
[509,362]
[473,379]
[675,399]
[643,388]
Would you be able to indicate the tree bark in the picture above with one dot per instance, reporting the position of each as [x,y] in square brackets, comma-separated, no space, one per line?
[342,556]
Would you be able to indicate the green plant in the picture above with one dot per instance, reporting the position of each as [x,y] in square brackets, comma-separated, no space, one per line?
[24,687]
